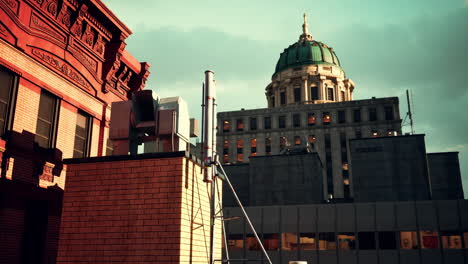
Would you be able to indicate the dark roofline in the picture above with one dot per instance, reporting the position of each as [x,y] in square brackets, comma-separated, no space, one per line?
[444,153]
[388,137]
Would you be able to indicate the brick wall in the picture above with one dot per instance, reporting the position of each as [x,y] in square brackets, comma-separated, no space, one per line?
[151,208]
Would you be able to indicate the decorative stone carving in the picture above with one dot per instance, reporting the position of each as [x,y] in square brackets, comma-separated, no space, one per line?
[88,36]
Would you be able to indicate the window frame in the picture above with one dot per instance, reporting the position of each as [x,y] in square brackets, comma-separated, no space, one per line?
[10,104]
[52,142]
[89,134]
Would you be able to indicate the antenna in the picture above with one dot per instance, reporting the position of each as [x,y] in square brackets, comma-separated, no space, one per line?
[410,114]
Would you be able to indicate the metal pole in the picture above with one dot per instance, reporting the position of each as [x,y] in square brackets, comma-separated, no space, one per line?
[243,211]
[410,114]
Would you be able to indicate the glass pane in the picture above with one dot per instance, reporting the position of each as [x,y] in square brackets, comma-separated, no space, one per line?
[366,240]
[6,79]
[235,242]
[43,128]
[347,241]
[307,241]
[327,241]
[429,239]
[387,240]
[408,240]
[451,239]
[46,107]
[271,242]
[289,241]
[251,243]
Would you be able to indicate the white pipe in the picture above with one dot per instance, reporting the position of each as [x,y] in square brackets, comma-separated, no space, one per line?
[209,125]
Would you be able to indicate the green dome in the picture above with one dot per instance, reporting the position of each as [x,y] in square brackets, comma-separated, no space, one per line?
[306,52]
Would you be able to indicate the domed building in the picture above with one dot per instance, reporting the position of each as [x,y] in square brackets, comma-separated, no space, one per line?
[310,105]
[308,72]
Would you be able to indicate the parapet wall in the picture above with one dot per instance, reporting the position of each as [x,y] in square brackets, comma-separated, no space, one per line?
[150,208]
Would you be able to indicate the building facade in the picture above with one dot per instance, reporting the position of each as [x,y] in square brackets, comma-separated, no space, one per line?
[309,102]
[62,63]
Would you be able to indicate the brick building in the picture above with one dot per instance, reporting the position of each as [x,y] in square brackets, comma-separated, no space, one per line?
[61,65]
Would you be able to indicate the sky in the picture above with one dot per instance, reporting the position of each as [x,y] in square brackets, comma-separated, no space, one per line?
[385,47]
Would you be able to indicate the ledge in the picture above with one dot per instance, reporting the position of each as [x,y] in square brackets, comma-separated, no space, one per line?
[160,155]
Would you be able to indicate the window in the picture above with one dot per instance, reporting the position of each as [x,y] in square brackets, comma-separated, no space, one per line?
[312,139]
[283,98]
[326,118]
[272,101]
[46,127]
[109,147]
[7,93]
[297,95]
[253,123]
[408,240]
[366,240]
[358,133]
[240,125]
[357,115]
[375,133]
[343,96]
[235,242]
[391,132]
[327,241]
[341,116]
[465,239]
[296,120]
[267,146]
[267,122]
[429,239]
[451,239]
[387,240]
[251,243]
[82,135]
[240,146]
[346,241]
[225,158]
[271,242]
[297,140]
[226,147]
[253,147]
[307,241]
[282,143]
[389,113]
[314,93]
[310,119]
[289,241]
[330,95]
[281,121]
[372,114]
[226,126]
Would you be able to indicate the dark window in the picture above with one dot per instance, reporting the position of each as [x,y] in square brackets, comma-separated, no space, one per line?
[282,143]
[226,147]
[372,114]
[451,239]
[389,113]
[314,93]
[226,126]
[253,147]
[429,239]
[343,96]
[273,101]
[408,240]
[387,240]
[267,122]
[311,119]
[46,126]
[240,125]
[366,240]
[7,88]
[357,115]
[329,165]
[358,134]
[297,95]
[281,121]
[296,120]
[283,98]
[82,135]
[267,146]
[341,116]
[253,123]
[326,118]
[330,95]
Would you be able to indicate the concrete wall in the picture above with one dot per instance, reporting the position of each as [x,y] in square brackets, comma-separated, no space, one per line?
[444,172]
[356,218]
[389,169]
